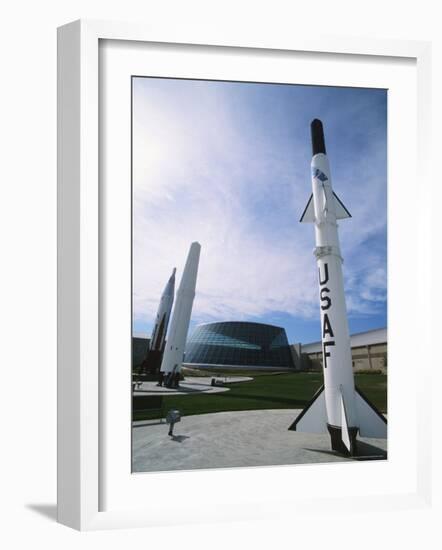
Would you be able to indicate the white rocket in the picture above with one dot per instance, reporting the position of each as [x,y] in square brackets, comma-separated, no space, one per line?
[338,407]
[179,324]
[163,315]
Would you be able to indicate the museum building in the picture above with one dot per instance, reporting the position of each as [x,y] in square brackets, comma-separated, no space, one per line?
[368,350]
[237,343]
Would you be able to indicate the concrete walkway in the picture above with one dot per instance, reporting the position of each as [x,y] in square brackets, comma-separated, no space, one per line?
[191,385]
[231,439]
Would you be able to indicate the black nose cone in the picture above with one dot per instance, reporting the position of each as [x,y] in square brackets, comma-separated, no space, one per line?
[318,142]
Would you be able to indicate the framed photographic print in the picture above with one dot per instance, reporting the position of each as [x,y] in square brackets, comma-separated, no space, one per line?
[230,251]
[224,165]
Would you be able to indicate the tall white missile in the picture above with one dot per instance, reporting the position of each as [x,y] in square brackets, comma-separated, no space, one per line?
[338,407]
[179,324]
[158,337]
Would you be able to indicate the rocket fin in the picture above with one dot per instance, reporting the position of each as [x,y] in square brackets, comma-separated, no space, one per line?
[341,211]
[308,216]
[344,426]
[313,418]
[372,423]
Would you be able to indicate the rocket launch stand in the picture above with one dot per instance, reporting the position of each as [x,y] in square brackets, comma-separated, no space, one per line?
[337,443]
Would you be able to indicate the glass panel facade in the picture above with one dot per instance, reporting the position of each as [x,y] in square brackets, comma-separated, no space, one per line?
[239,343]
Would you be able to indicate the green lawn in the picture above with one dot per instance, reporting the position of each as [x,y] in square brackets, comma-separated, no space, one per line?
[279,391]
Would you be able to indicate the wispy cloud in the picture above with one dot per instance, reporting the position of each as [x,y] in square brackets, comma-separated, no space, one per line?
[221,164]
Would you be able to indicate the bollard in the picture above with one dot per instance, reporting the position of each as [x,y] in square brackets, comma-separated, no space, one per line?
[173,416]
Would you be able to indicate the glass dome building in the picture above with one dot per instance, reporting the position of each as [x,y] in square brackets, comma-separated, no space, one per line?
[239,344]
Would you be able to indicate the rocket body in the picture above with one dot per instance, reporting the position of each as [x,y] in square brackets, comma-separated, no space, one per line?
[154,354]
[159,331]
[179,324]
[336,346]
[338,408]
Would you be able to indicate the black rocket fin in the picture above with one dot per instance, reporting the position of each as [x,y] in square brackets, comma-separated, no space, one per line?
[313,418]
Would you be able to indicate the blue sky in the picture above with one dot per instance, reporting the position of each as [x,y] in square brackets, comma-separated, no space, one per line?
[228,164]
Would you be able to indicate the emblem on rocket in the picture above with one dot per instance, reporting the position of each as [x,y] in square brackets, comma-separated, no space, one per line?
[338,408]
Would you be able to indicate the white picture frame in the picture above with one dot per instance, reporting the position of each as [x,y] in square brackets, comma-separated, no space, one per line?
[80,395]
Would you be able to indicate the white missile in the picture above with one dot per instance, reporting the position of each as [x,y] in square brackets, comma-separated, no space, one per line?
[163,315]
[338,407]
[179,324]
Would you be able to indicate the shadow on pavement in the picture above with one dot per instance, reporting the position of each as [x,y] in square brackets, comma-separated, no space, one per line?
[179,438]
[367,451]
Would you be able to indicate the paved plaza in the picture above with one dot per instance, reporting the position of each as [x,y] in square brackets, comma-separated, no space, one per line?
[232,439]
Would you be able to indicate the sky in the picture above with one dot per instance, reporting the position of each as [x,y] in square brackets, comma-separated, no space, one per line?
[227,164]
